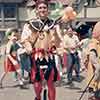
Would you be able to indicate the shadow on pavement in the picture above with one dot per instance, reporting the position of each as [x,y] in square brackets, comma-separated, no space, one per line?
[25,87]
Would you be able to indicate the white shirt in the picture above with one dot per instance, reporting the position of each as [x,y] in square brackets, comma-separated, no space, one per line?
[70,43]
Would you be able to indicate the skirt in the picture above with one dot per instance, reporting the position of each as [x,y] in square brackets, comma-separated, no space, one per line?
[9,67]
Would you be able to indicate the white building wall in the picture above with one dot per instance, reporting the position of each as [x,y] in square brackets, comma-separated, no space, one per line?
[91,13]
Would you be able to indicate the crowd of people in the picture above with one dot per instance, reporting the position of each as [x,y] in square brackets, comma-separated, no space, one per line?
[46,50]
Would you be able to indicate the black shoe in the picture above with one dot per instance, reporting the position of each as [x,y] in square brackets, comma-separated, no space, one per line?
[31,82]
[78,79]
[90,90]
[35,98]
[23,87]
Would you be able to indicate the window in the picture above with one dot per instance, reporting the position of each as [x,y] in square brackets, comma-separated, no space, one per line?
[9,11]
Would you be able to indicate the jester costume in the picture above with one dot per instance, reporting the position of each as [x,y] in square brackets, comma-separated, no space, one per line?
[42,40]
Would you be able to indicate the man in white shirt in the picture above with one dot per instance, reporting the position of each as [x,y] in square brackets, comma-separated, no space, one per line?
[71,44]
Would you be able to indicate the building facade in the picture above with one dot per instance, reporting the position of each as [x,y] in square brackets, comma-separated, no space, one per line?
[14,13]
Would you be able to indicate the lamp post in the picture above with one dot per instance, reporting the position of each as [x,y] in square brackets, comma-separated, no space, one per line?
[85,9]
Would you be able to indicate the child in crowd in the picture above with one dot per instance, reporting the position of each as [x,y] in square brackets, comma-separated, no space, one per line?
[11,63]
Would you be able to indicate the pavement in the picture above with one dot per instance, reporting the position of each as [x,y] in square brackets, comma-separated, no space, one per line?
[11,90]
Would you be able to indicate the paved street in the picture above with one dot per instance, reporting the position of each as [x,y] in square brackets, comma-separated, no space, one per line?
[64,92]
